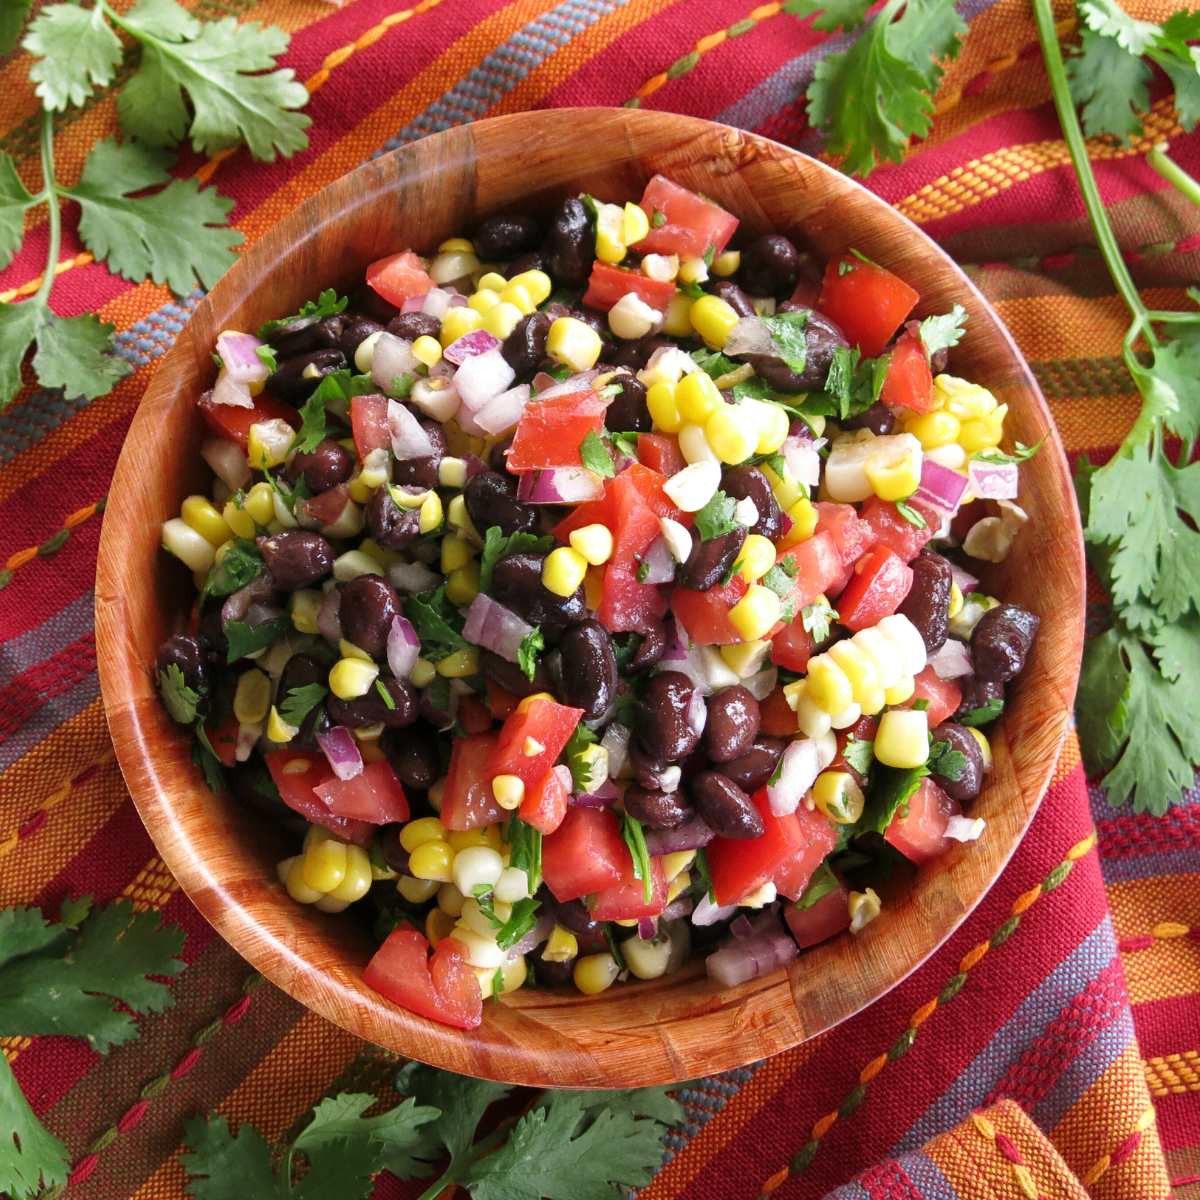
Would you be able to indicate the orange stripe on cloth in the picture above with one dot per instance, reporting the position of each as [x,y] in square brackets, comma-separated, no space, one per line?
[1173,1074]
[1170,966]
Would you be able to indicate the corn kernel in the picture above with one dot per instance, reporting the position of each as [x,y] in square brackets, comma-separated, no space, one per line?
[356,882]
[984,745]
[697,397]
[593,588]
[457,245]
[901,691]
[678,319]
[268,442]
[675,864]
[745,658]
[194,551]
[416,891]
[933,429]
[882,651]
[537,283]
[713,319]
[260,503]
[501,319]
[983,433]
[677,886]
[459,321]
[509,791]
[729,434]
[902,739]
[772,427]
[513,884]
[864,908]
[812,721]
[757,557]
[573,343]
[632,318]
[350,678]
[634,223]
[367,735]
[893,476]
[828,687]
[423,673]
[462,585]
[859,667]
[838,795]
[484,299]
[512,975]
[594,973]
[432,860]
[304,606]
[431,513]
[348,649]
[252,697]
[662,268]
[324,864]
[531,700]
[199,513]
[438,926]
[561,946]
[427,350]
[352,564]
[460,664]
[238,519]
[727,264]
[563,571]
[693,270]
[456,552]
[693,445]
[664,410]
[961,397]
[359,490]
[291,873]
[754,614]
[519,297]
[477,867]
[594,542]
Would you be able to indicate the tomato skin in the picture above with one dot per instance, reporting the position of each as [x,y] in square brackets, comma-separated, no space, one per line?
[545,804]
[692,223]
[705,615]
[880,581]
[893,531]
[467,800]
[501,702]
[825,919]
[818,566]
[867,301]
[473,715]
[223,739]
[776,718]
[607,284]
[626,900]
[296,790]
[550,432]
[443,988]
[546,722]
[909,381]
[818,838]
[854,537]
[369,424]
[920,832]
[585,854]
[660,452]
[792,647]
[234,423]
[399,277]
[376,795]
[325,507]
[944,696]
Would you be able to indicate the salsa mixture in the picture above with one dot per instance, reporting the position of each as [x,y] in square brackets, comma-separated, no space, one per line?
[595,591]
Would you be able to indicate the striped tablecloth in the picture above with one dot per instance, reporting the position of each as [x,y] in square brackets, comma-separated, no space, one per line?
[1071,996]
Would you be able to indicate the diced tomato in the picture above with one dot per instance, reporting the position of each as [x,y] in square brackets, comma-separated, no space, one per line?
[369,424]
[689,224]
[792,647]
[890,528]
[550,432]
[608,284]
[234,423]
[443,988]
[542,723]
[501,702]
[467,800]
[854,537]
[787,853]
[944,696]
[878,584]
[585,854]
[660,452]
[626,900]
[818,567]
[919,831]
[909,381]
[705,615]
[375,795]
[399,277]
[297,775]
[223,739]
[825,919]
[545,804]
[325,507]
[473,715]
[776,718]
[867,301]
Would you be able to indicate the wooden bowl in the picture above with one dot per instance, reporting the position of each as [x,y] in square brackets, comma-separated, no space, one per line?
[224,856]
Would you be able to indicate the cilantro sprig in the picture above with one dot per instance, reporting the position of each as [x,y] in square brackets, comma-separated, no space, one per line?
[496,545]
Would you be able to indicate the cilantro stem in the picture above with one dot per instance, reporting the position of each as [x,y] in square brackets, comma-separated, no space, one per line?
[1173,173]
[54,218]
[449,1178]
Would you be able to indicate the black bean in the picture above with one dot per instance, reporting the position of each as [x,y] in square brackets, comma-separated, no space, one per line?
[1002,640]
[593,320]
[525,347]
[497,457]
[186,653]
[821,338]
[305,334]
[725,807]
[370,303]
[662,725]
[732,723]
[550,972]
[511,678]
[325,466]
[355,332]
[369,605]
[423,472]
[927,604]
[536,260]
[978,693]
[650,650]
[574,915]
[753,768]
[769,266]
[373,709]
[387,842]
[967,784]
[570,244]
[746,482]
[708,561]
[589,669]
[492,500]
[657,810]
[733,295]
[211,636]
[413,754]
[517,584]
[296,557]
[879,419]
[505,236]
[633,356]
[649,772]
[412,325]
[299,375]
[628,412]
[391,526]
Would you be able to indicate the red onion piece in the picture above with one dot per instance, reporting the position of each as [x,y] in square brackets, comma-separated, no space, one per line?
[409,440]
[798,770]
[679,908]
[605,796]
[403,647]
[952,660]
[341,750]
[965,580]
[708,913]
[616,742]
[535,937]
[496,628]
[482,377]
[229,393]
[660,565]
[391,359]
[691,835]
[993,481]
[940,487]
[697,712]
[478,341]
[647,928]
[228,462]
[329,621]
[750,336]
[559,485]
[564,387]
[236,606]
[238,351]
[803,461]
[677,647]
[412,577]
[750,959]
[502,412]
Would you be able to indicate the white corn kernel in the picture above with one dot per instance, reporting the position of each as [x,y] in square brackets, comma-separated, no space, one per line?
[693,445]
[352,564]
[693,487]
[452,472]
[481,951]
[476,867]
[647,959]
[631,317]
[513,885]
[194,551]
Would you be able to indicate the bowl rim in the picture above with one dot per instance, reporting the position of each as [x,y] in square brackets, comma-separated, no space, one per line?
[140,749]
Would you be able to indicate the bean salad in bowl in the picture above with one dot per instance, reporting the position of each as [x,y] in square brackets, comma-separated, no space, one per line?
[592,593]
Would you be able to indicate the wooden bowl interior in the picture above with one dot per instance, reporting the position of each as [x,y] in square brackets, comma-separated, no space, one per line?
[224,856]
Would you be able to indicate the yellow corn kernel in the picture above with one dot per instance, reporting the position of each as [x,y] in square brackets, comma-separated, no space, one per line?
[457,245]
[593,542]
[573,343]
[427,350]
[593,587]
[561,946]
[713,319]
[367,735]
[678,319]
[519,297]
[956,601]
[460,664]
[983,433]
[864,908]
[291,873]
[902,739]
[961,397]
[324,864]
[484,299]
[894,477]
[563,571]
[531,700]
[460,839]
[859,667]
[784,487]
[416,891]
[727,264]
[838,795]
[828,686]
[984,745]
[697,397]
[634,223]
[452,471]
[754,614]
[438,926]
[757,557]
[772,428]
[456,552]
[501,319]
[664,410]
[432,860]
[360,492]
[350,650]
[933,429]
[384,557]
[677,886]
[745,658]
[450,900]
[674,865]
[240,522]
[595,972]
[537,283]
[252,697]
[693,270]
[458,518]
[432,513]
[350,678]
[422,674]
[509,791]
[279,730]
[901,691]
[357,880]
[199,513]
[354,563]
[260,503]
[730,434]
[459,321]
[267,443]
[462,585]
[303,607]
[512,976]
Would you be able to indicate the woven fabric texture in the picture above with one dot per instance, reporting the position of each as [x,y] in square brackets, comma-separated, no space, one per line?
[1069,1002]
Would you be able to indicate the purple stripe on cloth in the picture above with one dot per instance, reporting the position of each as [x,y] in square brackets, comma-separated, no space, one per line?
[47,719]
[28,649]
[1084,1070]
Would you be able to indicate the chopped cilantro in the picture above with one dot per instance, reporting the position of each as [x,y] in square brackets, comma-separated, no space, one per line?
[1018,454]
[180,700]
[787,332]
[635,839]
[920,705]
[625,443]
[300,701]
[402,386]
[266,356]
[625,648]
[643,571]
[985,713]
[595,456]
[859,753]
[385,695]
[943,332]
[822,882]
[911,515]
[852,384]
[240,564]
[946,762]
[715,519]
[710,253]
[244,639]
[817,618]
[437,622]
[327,304]
[778,580]
[532,644]
[520,922]
[525,850]
[658,219]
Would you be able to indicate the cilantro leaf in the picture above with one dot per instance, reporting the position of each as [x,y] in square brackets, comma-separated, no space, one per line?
[225,1166]
[816,619]
[635,840]
[300,701]
[240,564]
[525,850]
[859,754]
[946,762]
[31,1157]
[787,332]
[1020,453]
[625,442]
[76,49]
[12,21]
[181,701]
[828,17]
[1110,20]
[943,332]
[437,622]
[595,456]
[532,644]
[496,546]
[210,765]
[891,790]
[852,384]
[715,519]
[823,882]
[713,363]
[266,356]
[14,200]
[779,581]
[245,639]
[1110,86]
[983,714]
[462,1102]
[911,515]
[519,923]
[327,304]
